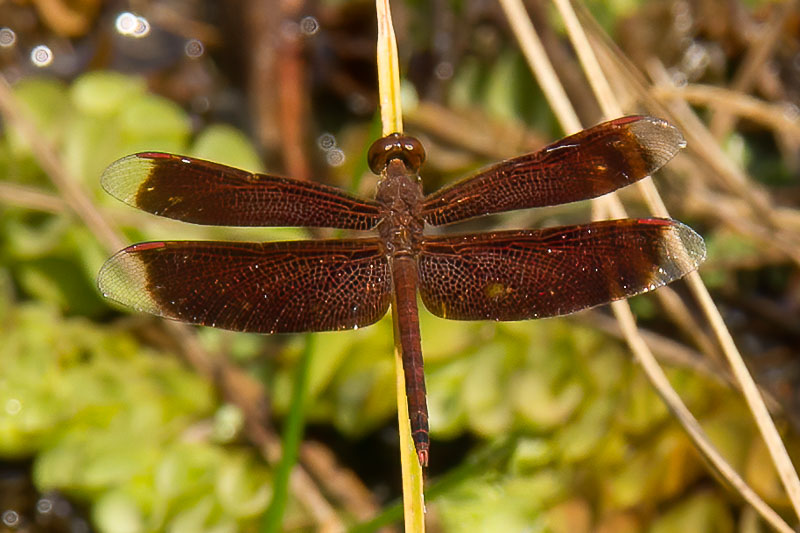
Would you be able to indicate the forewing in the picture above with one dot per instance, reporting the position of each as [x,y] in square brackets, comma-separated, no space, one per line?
[203,192]
[588,164]
[517,275]
[270,287]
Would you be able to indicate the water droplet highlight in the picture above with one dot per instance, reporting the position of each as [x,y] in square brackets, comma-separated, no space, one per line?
[194,48]
[309,26]
[41,56]
[7,37]
[131,25]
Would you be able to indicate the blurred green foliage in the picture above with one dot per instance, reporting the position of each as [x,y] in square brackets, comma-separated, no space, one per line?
[504,89]
[106,418]
[128,429]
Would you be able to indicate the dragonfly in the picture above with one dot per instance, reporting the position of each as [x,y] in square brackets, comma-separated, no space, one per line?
[338,284]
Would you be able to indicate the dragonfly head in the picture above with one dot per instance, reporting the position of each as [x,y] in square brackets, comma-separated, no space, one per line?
[396,146]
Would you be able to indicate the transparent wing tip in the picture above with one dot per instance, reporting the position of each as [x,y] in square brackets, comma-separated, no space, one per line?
[123,178]
[659,139]
[123,279]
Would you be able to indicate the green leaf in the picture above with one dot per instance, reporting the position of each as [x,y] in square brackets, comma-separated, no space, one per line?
[227,145]
[531,454]
[484,391]
[116,512]
[104,93]
[702,512]
[577,441]
[154,123]
[60,282]
[540,402]
[446,410]
[501,91]
[44,102]
[445,339]
[239,490]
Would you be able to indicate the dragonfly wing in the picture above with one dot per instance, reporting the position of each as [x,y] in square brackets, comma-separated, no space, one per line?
[202,192]
[272,287]
[588,164]
[517,275]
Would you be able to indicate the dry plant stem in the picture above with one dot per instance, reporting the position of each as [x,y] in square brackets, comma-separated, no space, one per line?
[262,34]
[31,198]
[541,67]
[392,121]
[248,394]
[49,162]
[611,108]
[755,199]
[169,18]
[631,84]
[775,225]
[666,350]
[771,116]
[413,490]
[735,216]
[65,20]
[299,481]
[293,111]
[540,64]
[703,143]
[214,369]
[674,353]
[731,207]
[678,311]
[780,457]
[388,71]
[761,47]
[660,382]
[477,134]
[680,314]
[339,482]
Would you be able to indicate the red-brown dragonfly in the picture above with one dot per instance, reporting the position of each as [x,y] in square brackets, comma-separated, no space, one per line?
[323,285]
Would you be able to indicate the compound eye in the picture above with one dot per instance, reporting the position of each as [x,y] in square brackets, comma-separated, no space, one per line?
[396,146]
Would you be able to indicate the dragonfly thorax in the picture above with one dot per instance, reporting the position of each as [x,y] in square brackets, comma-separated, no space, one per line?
[400,193]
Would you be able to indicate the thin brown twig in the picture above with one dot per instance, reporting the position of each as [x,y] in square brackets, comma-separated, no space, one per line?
[773,116]
[707,147]
[526,35]
[786,217]
[761,48]
[164,15]
[707,159]
[631,85]
[677,311]
[477,134]
[780,457]
[262,34]
[673,353]
[31,198]
[47,158]
[339,482]
[293,108]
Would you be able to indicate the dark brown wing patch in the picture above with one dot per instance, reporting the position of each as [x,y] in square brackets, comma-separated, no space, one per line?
[588,164]
[518,275]
[273,287]
[203,192]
